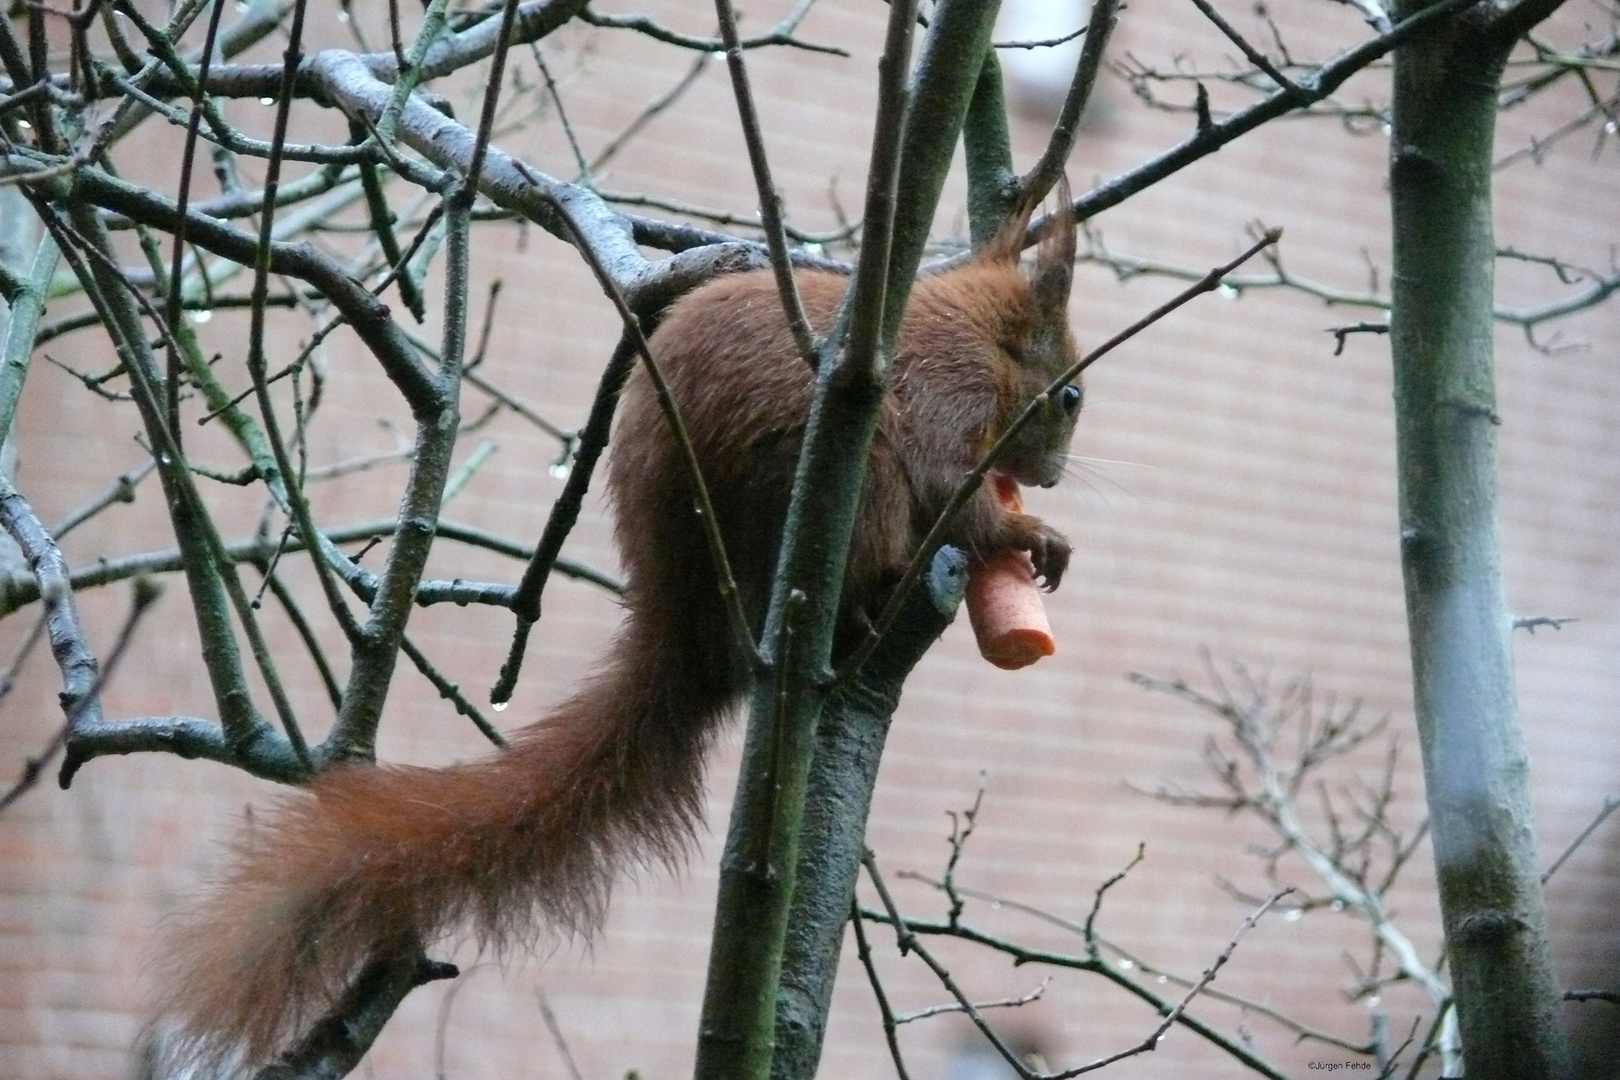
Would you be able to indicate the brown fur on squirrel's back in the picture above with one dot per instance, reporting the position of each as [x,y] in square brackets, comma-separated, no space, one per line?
[379,861]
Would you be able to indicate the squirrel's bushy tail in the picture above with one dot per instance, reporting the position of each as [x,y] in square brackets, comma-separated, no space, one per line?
[375,862]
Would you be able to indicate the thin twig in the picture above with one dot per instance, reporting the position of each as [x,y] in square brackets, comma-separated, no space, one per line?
[770,201]
[1020,954]
[1151,1042]
[1088,928]
[1610,804]
[657,105]
[1044,175]
[122,490]
[17,592]
[961,830]
[188,158]
[451,692]
[781,34]
[144,595]
[1254,56]
[555,1030]
[492,97]
[863,951]
[955,1007]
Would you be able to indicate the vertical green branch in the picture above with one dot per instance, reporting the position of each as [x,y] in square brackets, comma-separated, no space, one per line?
[947,75]
[915,135]
[188,159]
[19,327]
[284,475]
[987,147]
[410,72]
[376,649]
[264,448]
[211,579]
[1475,768]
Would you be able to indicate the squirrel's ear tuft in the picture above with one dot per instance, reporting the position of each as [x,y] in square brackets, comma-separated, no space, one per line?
[1008,242]
[1054,262]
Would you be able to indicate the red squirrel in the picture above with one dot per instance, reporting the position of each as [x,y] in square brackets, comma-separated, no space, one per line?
[374,861]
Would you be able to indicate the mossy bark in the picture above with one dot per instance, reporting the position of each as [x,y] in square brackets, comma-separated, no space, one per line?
[1475,766]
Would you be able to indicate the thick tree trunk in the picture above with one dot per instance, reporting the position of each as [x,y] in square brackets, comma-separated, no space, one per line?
[1474,760]
[838,797]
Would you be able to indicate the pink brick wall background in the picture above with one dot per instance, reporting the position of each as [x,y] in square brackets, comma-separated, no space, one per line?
[1242,502]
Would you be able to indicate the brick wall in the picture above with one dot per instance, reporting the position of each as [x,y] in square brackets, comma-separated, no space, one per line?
[1235,498]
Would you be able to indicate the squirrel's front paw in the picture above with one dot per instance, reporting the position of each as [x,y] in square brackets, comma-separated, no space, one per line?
[1049,550]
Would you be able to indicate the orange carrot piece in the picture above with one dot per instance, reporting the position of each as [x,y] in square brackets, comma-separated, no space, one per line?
[1004,606]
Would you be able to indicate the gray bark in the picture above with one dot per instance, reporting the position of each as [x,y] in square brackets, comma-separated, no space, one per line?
[1475,766]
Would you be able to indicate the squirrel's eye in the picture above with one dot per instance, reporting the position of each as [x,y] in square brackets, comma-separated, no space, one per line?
[1070,396]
